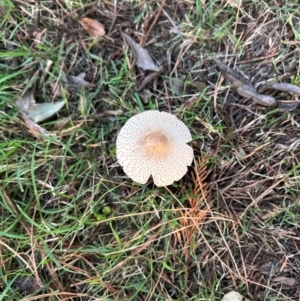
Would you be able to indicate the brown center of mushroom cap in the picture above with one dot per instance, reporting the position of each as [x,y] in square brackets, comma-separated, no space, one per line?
[157,144]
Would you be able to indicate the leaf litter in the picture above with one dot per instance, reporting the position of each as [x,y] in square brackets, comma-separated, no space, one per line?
[143,59]
[79,81]
[94,28]
[288,281]
[37,112]
[242,95]
[243,86]
[149,78]
[32,113]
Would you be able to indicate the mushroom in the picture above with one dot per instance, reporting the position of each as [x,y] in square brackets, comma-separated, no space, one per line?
[154,143]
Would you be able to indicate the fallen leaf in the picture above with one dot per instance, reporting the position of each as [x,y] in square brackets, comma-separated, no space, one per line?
[232,296]
[42,111]
[149,78]
[37,112]
[26,101]
[61,123]
[33,128]
[292,89]
[243,86]
[79,81]
[105,113]
[191,101]
[28,284]
[93,27]
[200,86]
[289,88]
[288,281]
[143,59]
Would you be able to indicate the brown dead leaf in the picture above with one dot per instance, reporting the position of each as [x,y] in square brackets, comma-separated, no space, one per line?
[289,88]
[61,123]
[143,59]
[93,27]
[149,78]
[243,86]
[79,81]
[191,101]
[33,128]
[200,86]
[288,281]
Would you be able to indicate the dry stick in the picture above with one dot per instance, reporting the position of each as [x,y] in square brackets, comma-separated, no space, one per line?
[145,37]
[258,59]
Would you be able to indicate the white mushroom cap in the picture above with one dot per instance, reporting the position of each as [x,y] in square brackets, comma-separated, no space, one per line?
[154,143]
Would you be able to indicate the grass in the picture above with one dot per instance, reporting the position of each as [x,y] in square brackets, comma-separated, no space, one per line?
[74,227]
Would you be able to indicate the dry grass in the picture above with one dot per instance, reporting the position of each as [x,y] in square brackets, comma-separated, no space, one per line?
[232,223]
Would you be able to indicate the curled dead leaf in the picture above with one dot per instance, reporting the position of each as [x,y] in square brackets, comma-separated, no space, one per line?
[93,27]
[79,81]
[37,112]
[285,87]
[243,86]
[149,78]
[143,59]
[250,92]
[33,128]
[288,281]
[32,113]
